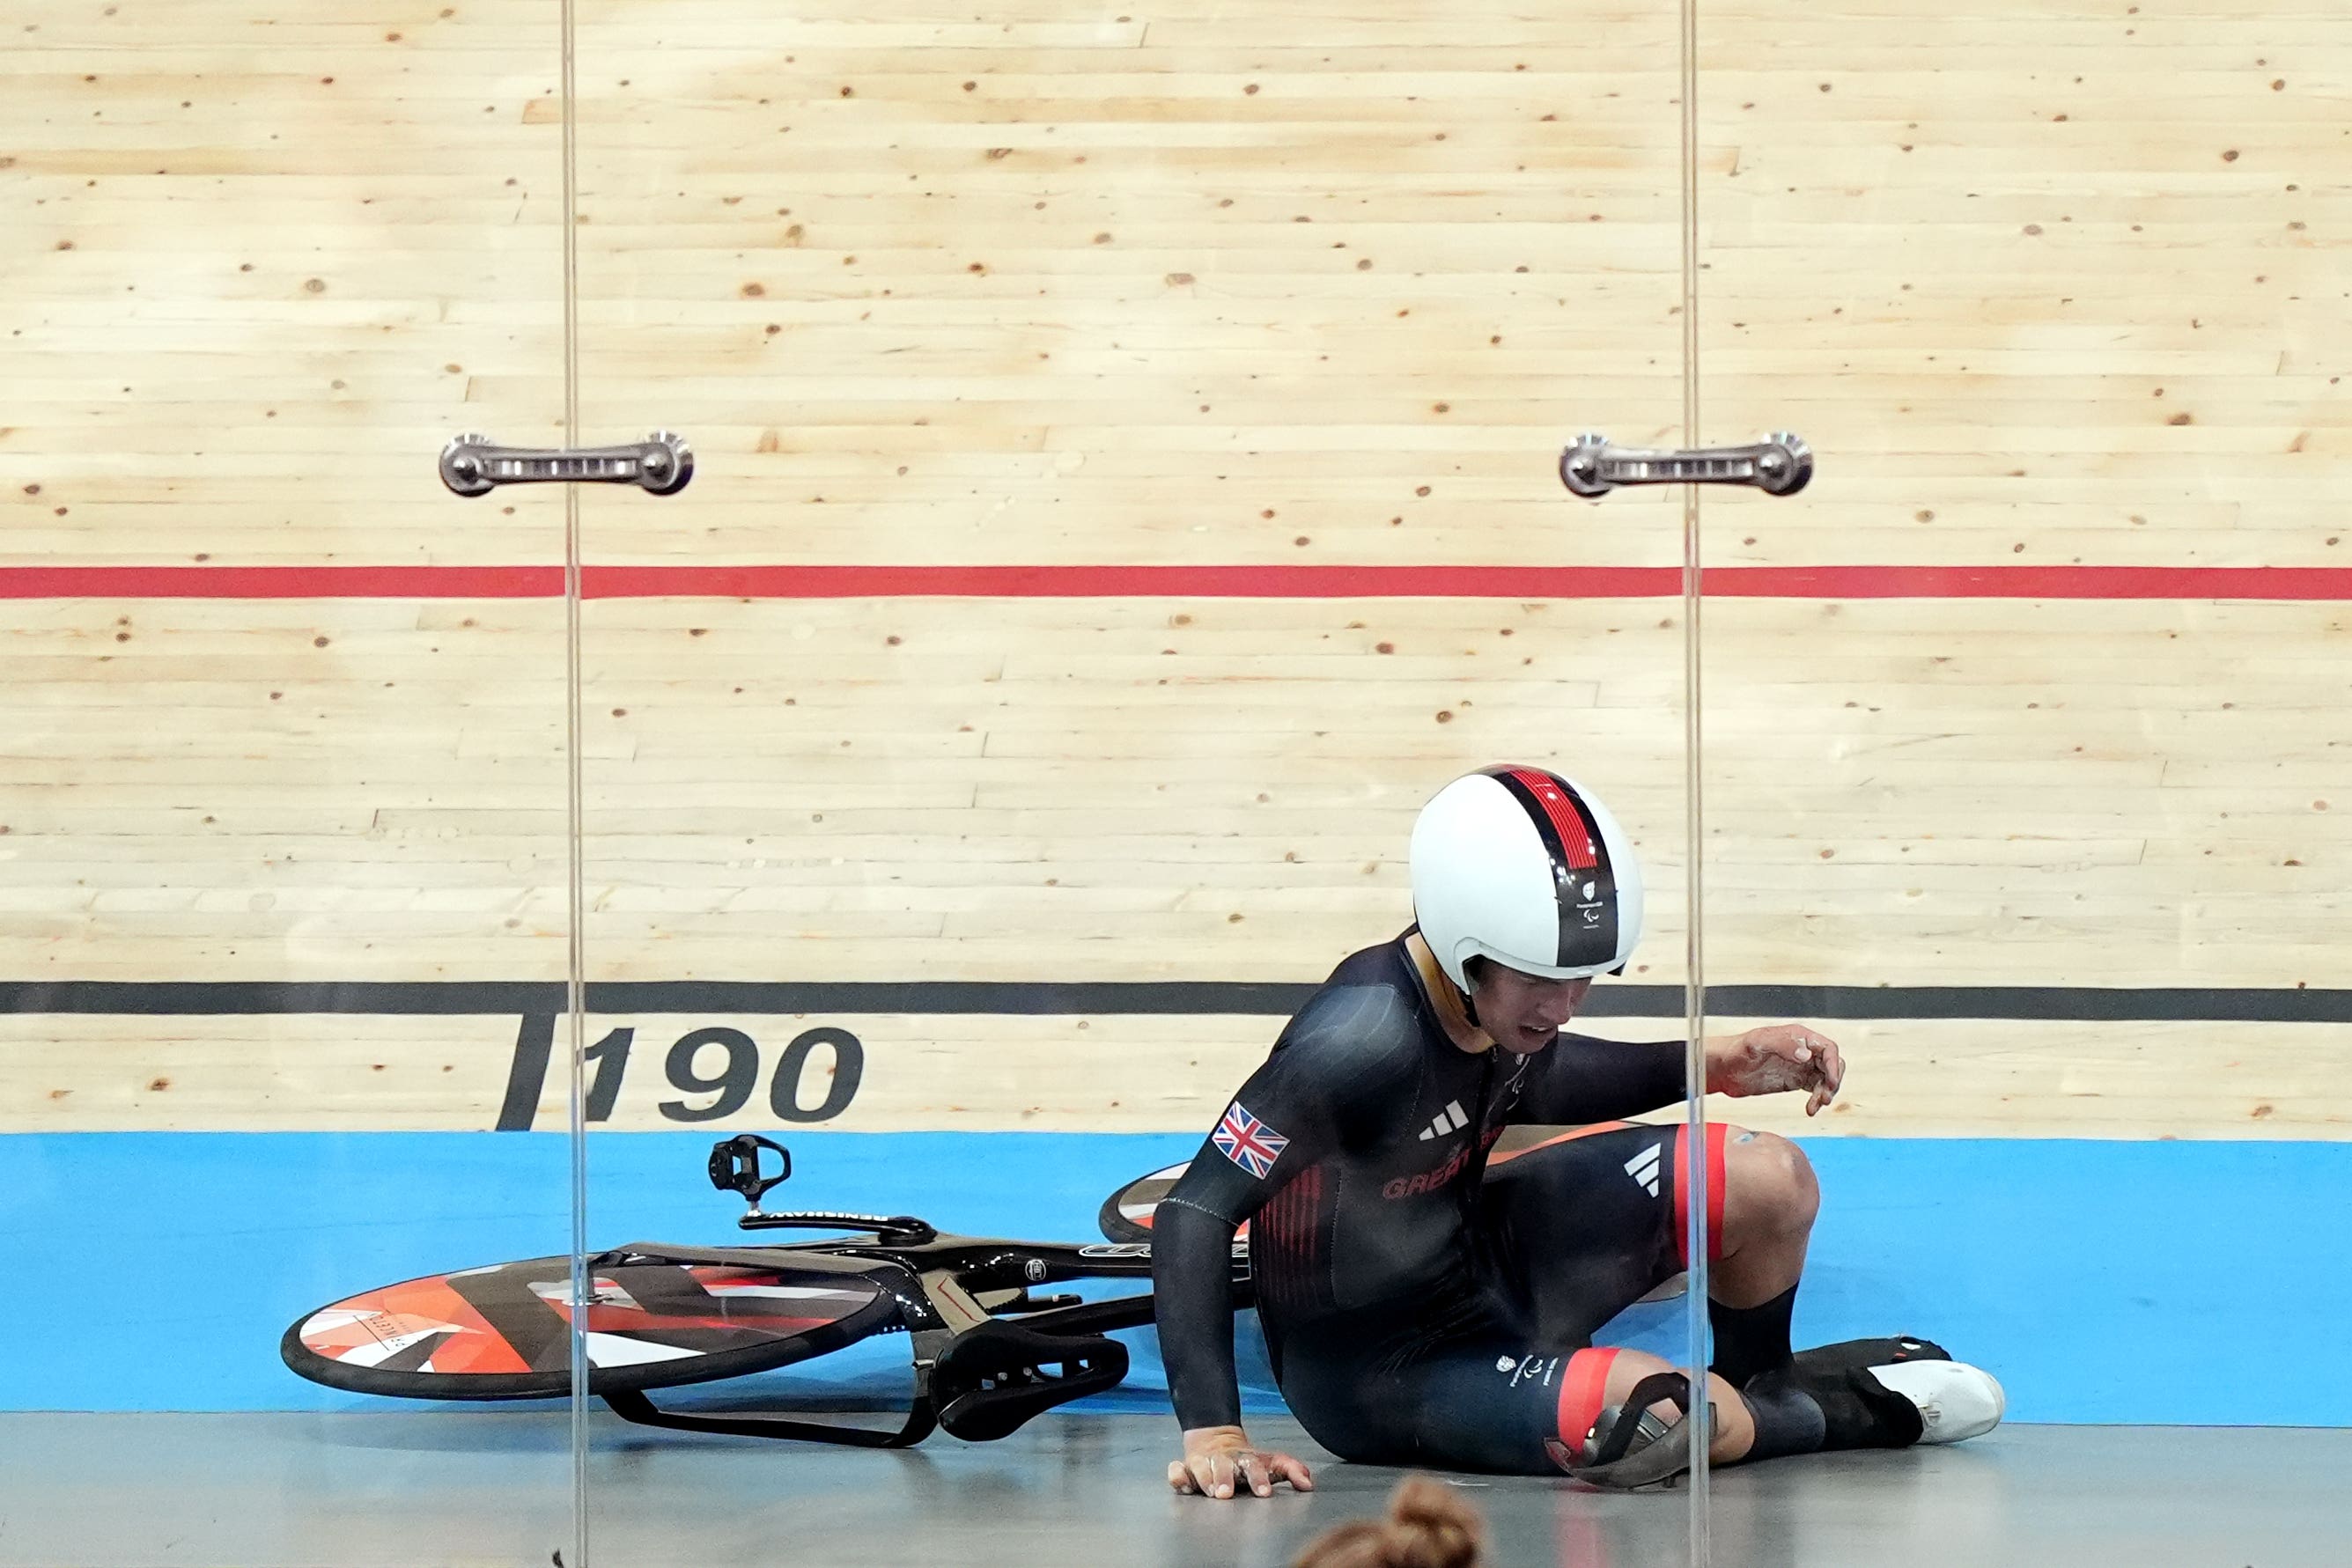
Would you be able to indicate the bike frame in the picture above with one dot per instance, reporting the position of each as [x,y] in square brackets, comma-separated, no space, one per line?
[989,1353]
[982,1344]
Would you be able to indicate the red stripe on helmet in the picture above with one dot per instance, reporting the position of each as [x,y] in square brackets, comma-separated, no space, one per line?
[1575,839]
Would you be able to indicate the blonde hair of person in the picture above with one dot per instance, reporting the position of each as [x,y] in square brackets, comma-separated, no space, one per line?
[1428,1526]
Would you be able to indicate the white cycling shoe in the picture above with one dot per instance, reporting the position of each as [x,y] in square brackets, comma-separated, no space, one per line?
[1956,1401]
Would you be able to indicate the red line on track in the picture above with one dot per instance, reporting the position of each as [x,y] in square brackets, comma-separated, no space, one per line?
[281,582]
[1282,582]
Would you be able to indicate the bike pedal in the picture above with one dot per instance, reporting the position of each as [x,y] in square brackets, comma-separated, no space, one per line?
[735,1165]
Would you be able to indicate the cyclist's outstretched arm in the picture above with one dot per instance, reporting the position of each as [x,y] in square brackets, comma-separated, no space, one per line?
[1578,1079]
[1344,1063]
[1190,1268]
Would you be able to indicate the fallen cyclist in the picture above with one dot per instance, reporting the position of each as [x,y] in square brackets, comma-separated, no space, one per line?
[1424,1305]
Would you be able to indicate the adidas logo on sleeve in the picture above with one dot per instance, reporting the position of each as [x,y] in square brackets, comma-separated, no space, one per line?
[1643,1169]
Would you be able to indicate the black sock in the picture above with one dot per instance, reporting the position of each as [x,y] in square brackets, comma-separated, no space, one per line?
[1787,1420]
[1749,1340]
[1801,1413]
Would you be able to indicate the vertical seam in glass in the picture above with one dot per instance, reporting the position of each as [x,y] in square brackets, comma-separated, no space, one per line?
[1695,1141]
[575,964]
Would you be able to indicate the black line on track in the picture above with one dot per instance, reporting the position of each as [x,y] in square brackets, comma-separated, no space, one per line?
[539,1000]
[527,1073]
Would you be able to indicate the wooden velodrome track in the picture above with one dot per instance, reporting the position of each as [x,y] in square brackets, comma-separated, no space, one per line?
[1299,287]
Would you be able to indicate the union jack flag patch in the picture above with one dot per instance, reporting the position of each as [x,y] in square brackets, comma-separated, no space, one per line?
[1248,1141]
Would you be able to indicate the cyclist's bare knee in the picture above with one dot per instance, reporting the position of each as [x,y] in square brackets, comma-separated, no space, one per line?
[1769,1190]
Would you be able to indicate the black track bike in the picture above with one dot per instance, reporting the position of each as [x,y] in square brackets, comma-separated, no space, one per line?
[990,1351]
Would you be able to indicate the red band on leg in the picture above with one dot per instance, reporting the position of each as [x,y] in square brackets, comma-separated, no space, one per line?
[1717,1183]
[1715,1134]
[1681,1201]
[1581,1391]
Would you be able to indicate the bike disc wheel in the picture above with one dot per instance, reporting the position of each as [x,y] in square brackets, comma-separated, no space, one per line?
[504,1332]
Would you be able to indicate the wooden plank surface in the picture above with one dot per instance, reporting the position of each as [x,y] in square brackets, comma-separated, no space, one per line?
[1906,1078]
[1312,282]
[1216,789]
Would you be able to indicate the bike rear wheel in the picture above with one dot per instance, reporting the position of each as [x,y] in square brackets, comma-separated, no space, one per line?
[504,1332]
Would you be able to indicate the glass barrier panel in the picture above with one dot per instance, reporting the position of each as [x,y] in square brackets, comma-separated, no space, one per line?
[1127,489]
[283,815]
[2022,765]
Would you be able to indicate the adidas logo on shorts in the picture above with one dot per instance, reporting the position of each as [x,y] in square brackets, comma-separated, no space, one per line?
[1643,1169]
[1448,1120]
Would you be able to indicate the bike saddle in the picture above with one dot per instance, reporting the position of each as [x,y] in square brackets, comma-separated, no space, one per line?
[992,1378]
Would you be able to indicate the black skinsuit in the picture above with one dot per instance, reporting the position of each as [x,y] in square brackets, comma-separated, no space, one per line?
[1417,1308]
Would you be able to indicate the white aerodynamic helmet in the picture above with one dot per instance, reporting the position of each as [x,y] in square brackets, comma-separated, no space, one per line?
[1522,866]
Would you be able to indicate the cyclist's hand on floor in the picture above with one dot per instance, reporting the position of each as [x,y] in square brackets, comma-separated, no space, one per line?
[1218,1460]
